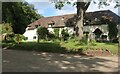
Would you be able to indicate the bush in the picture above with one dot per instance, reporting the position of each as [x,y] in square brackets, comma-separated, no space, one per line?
[22,37]
[13,38]
[50,36]
[56,30]
[65,35]
[42,32]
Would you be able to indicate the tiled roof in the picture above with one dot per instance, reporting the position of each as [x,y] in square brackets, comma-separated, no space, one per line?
[98,15]
[58,22]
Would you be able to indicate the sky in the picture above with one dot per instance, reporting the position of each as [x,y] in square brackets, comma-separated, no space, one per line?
[47,9]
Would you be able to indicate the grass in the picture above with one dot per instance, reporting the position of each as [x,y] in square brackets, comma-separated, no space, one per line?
[70,46]
[42,46]
[113,47]
[76,45]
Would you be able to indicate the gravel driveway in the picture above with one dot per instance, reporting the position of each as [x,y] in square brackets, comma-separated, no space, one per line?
[31,61]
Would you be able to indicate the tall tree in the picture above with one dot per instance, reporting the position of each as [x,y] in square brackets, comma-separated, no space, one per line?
[19,14]
[81,6]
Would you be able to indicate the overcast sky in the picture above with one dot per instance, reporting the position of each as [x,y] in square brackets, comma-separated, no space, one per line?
[48,9]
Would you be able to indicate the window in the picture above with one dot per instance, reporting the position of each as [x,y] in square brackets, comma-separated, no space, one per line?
[49,25]
[34,37]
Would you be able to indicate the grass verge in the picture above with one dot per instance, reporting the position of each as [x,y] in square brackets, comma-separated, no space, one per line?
[70,46]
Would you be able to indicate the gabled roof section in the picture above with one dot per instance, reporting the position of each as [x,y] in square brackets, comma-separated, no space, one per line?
[97,15]
[59,21]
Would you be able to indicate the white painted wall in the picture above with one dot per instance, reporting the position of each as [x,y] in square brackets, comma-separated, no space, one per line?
[30,34]
[51,30]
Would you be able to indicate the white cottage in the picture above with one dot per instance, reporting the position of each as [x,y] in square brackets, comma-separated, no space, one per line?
[92,24]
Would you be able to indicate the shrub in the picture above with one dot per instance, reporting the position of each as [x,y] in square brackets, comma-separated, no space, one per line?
[42,32]
[22,37]
[56,30]
[50,36]
[65,35]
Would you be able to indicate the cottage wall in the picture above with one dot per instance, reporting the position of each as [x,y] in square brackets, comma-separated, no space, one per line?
[92,28]
[31,35]
[103,28]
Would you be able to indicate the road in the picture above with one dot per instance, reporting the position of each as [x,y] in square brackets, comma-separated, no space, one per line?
[32,61]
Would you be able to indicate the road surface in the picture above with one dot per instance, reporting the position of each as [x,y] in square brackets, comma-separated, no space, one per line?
[32,61]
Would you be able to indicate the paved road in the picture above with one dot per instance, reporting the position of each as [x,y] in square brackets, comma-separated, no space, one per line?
[31,61]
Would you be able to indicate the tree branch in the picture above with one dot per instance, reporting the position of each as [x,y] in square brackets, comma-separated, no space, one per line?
[87,5]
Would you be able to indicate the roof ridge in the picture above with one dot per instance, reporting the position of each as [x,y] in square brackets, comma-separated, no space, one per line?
[60,15]
[99,11]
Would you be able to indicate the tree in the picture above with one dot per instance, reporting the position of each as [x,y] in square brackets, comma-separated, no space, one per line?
[112,27]
[42,33]
[19,14]
[81,8]
[113,31]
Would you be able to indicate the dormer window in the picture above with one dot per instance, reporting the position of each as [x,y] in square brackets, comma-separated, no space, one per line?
[36,26]
[50,24]
[62,18]
[87,22]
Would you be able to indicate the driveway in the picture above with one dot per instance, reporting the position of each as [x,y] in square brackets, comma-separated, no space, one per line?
[31,61]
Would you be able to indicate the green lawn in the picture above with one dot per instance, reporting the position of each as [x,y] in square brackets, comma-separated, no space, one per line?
[113,47]
[70,46]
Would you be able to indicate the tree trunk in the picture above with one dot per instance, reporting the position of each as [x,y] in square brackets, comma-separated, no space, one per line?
[38,39]
[80,16]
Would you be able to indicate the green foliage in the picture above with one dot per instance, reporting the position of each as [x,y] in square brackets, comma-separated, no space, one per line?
[19,14]
[59,5]
[51,36]
[70,46]
[56,30]
[6,28]
[65,34]
[83,41]
[42,32]
[6,32]
[93,43]
[22,38]
[113,47]
[112,28]
[8,35]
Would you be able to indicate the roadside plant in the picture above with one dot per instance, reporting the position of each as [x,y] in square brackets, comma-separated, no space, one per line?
[65,34]
[42,33]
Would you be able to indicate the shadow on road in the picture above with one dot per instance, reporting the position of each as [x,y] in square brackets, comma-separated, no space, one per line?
[32,61]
